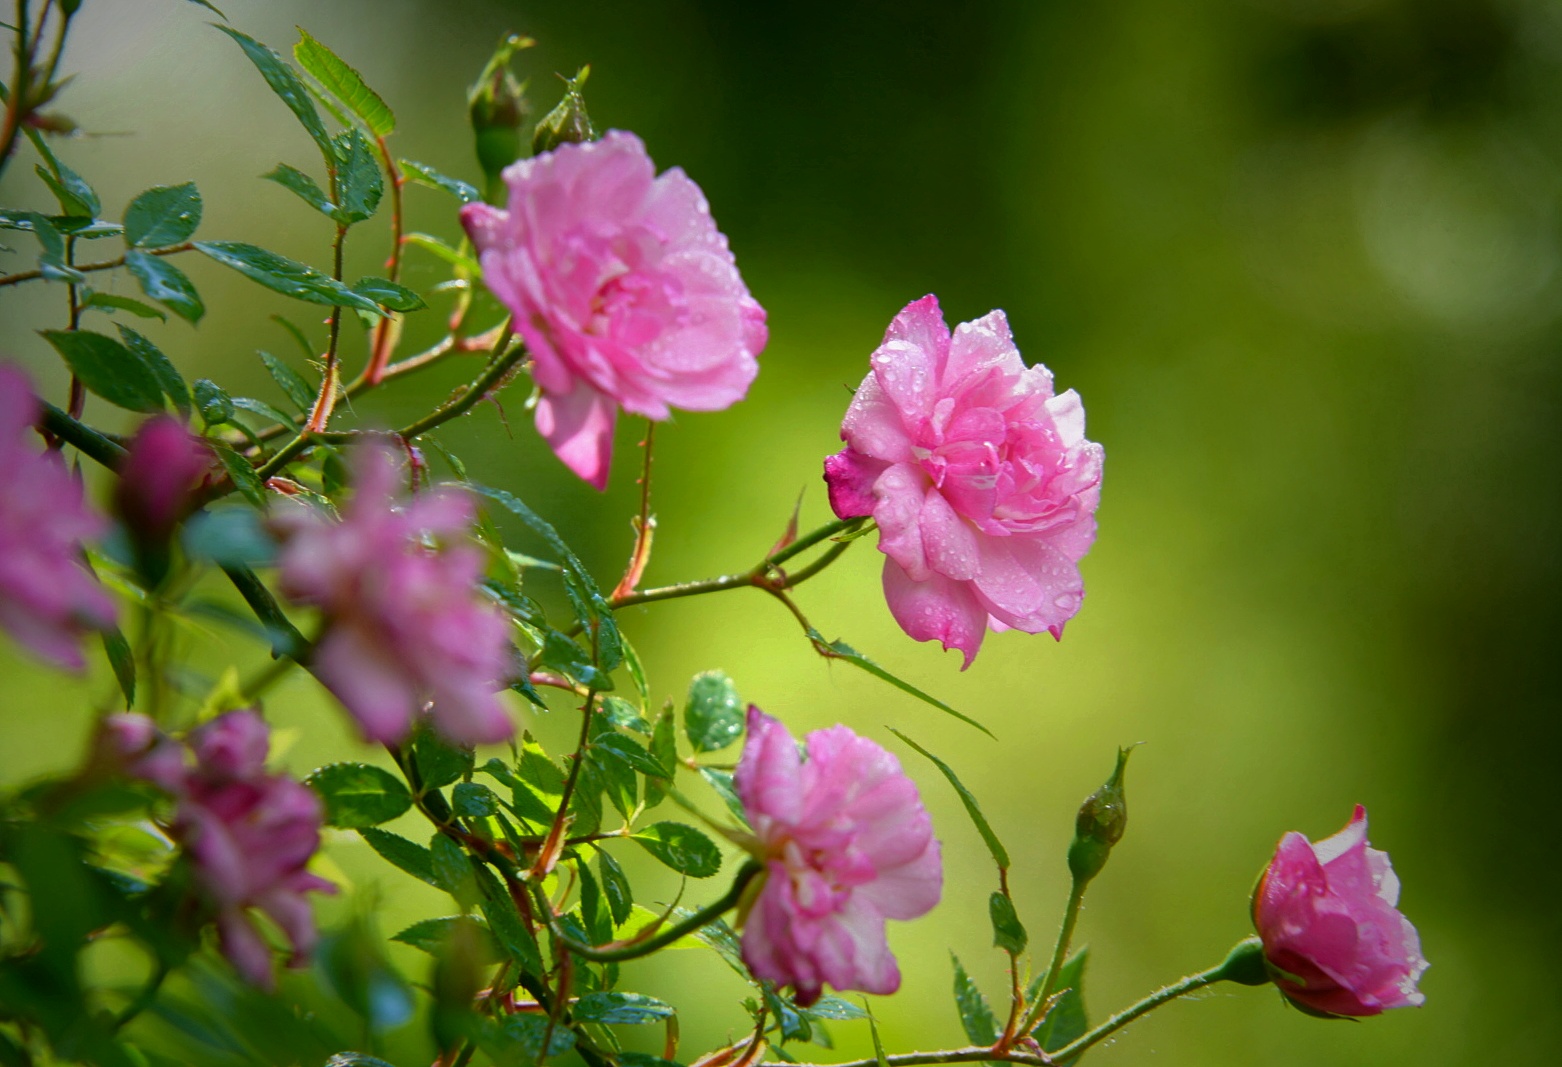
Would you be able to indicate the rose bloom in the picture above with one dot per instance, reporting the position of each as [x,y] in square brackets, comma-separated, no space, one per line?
[158,478]
[249,834]
[1333,939]
[622,287]
[48,597]
[980,479]
[406,625]
[846,845]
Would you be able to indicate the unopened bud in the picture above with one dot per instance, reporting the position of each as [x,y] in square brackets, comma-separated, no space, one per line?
[158,480]
[1102,819]
[496,104]
[567,123]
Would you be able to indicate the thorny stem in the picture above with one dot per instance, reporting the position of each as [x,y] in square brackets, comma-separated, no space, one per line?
[325,402]
[1149,1003]
[1016,995]
[969,1054]
[547,855]
[16,101]
[636,949]
[645,523]
[88,268]
[384,333]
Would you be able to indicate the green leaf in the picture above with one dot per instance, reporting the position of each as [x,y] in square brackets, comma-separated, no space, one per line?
[165,283]
[712,714]
[721,782]
[213,402]
[526,1033]
[1066,1022]
[344,83]
[264,410]
[123,661]
[513,935]
[841,650]
[632,753]
[452,870]
[439,763]
[464,264]
[408,855]
[389,294]
[289,381]
[432,935]
[683,848]
[228,536]
[163,215]
[999,853]
[473,800]
[286,276]
[615,887]
[245,480]
[359,183]
[303,186]
[1008,932]
[976,1015]
[108,369]
[636,672]
[833,1007]
[624,715]
[620,1009]
[110,302]
[423,174]
[74,194]
[593,909]
[359,794]
[167,375]
[873,1029]
[664,749]
[619,780]
[285,82]
[297,335]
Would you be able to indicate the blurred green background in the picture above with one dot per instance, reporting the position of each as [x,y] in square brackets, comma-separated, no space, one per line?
[1298,256]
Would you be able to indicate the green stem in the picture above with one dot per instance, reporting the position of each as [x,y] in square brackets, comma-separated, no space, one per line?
[144,998]
[714,910]
[501,364]
[285,638]
[1128,1015]
[88,268]
[85,439]
[1076,897]
[808,540]
[969,1054]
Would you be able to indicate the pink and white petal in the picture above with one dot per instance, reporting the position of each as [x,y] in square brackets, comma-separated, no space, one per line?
[768,778]
[371,685]
[937,609]
[874,426]
[909,890]
[850,476]
[976,348]
[906,364]
[900,491]
[485,225]
[578,426]
[949,542]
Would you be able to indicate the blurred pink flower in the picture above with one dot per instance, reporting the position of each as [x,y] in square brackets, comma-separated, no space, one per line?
[405,622]
[980,479]
[48,597]
[249,834]
[624,290]
[1334,941]
[159,477]
[846,845]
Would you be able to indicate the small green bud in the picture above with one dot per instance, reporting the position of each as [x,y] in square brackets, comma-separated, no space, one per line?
[1245,964]
[1102,819]
[567,123]
[496,104]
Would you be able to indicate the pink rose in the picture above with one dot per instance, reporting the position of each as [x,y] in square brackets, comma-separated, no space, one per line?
[624,290]
[405,622]
[159,477]
[846,845]
[48,597]
[980,479]
[1332,937]
[249,834]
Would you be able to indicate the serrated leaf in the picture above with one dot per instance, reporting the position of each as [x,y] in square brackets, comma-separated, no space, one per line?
[841,650]
[620,1009]
[212,401]
[527,1033]
[683,848]
[1008,932]
[286,276]
[432,935]
[466,265]
[408,855]
[664,749]
[390,294]
[244,478]
[285,82]
[999,853]
[452,870]
[108,369]
[303,186]
[76,197]
[712,714]
[264,410]
[472,800]
[615,887]
[165,283]
[289,381]
[163,215]
[593,909]
[423,174]
[359,183]
[346,84]
[513,935]
[167,375]
[632,753]
[833,1007]
[619,781]
[721,782]
[624,715]
[123,661]
[111,302]
[438,761]
[1067,1021]
[359,794]
[976,1015]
